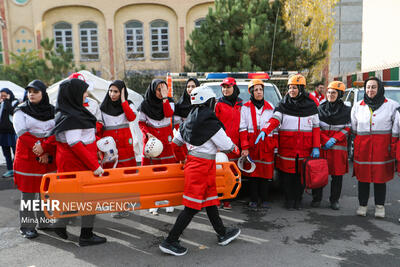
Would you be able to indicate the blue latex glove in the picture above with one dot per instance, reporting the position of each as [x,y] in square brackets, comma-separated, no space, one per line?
[315,152]
[260,136]
[330,143]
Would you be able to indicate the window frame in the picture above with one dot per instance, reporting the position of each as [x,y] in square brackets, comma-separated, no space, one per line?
[63,36]
[199,20]
[134,40]
[159,40]
[89,41]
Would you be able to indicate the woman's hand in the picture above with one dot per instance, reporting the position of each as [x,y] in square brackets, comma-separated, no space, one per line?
[99,171]
[149,135]
[163,90]
[37,149]
[261,136]
[315,152]
[44,159]
[123,99]
[245,153]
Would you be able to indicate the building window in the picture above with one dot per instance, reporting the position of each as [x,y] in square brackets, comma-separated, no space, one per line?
[20,2]
[198,22]
[63,36]
[134,40]
[159,39]
[89,43]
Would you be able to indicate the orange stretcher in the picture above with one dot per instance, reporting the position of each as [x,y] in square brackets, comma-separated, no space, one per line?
[72,194]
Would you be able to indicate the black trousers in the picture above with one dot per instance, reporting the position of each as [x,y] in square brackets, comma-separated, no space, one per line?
[292,186]
[258,188]
[87,223]
[379,192]
[186,216]
[336,190]
[7,156]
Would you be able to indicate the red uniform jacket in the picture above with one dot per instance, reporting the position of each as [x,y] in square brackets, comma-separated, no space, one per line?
[230,117]
[297,137]
[118,128]
[251,122]
[373,162]
[337,155]
[28,171]
[162,130]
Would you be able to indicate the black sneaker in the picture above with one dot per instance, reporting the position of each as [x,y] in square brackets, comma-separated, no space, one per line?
[289,204]
[61,232]
[315,204]
[335,205]
[28,233]
[298,205]
[94,240]
[172,248]
[230,235]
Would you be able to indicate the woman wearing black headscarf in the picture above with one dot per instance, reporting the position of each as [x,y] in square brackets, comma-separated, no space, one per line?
[183,107]
[155,119]
[299,137]
[33,120]
[254,115]
[117,111]
[76,146]
[203,135]
[228,112]
[8,138]
[372,122]
[334,121]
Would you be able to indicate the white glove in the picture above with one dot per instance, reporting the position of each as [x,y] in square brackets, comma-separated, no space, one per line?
[98,171]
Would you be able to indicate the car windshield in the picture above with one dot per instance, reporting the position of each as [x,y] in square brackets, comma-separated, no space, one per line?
[269,93]
[393,93]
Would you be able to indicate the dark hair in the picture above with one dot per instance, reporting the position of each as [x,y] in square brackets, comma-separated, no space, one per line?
[319,83]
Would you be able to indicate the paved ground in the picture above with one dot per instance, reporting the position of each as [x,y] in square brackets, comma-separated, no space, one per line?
[310,237]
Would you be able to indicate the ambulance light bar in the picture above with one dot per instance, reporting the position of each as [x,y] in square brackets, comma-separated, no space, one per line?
[238,75]
[391,83]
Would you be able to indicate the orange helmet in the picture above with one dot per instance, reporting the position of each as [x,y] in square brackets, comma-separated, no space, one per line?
[297,79]
[337,85]
[254,82]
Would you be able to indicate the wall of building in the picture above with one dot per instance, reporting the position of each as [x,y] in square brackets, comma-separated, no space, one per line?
[345,56]
[30,21]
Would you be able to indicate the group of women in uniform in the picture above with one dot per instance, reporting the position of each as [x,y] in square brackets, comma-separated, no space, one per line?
[309,129]
[63,138]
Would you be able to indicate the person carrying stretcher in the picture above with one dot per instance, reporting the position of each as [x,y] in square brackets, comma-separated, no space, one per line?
[203,135]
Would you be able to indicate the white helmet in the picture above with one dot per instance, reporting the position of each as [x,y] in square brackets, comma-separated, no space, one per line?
[201,94]
[241,162]
[153,148]
[109,148]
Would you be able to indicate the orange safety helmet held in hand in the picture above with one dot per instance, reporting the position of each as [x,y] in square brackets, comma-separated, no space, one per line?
[297,79]
[253,83]
[337,85]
